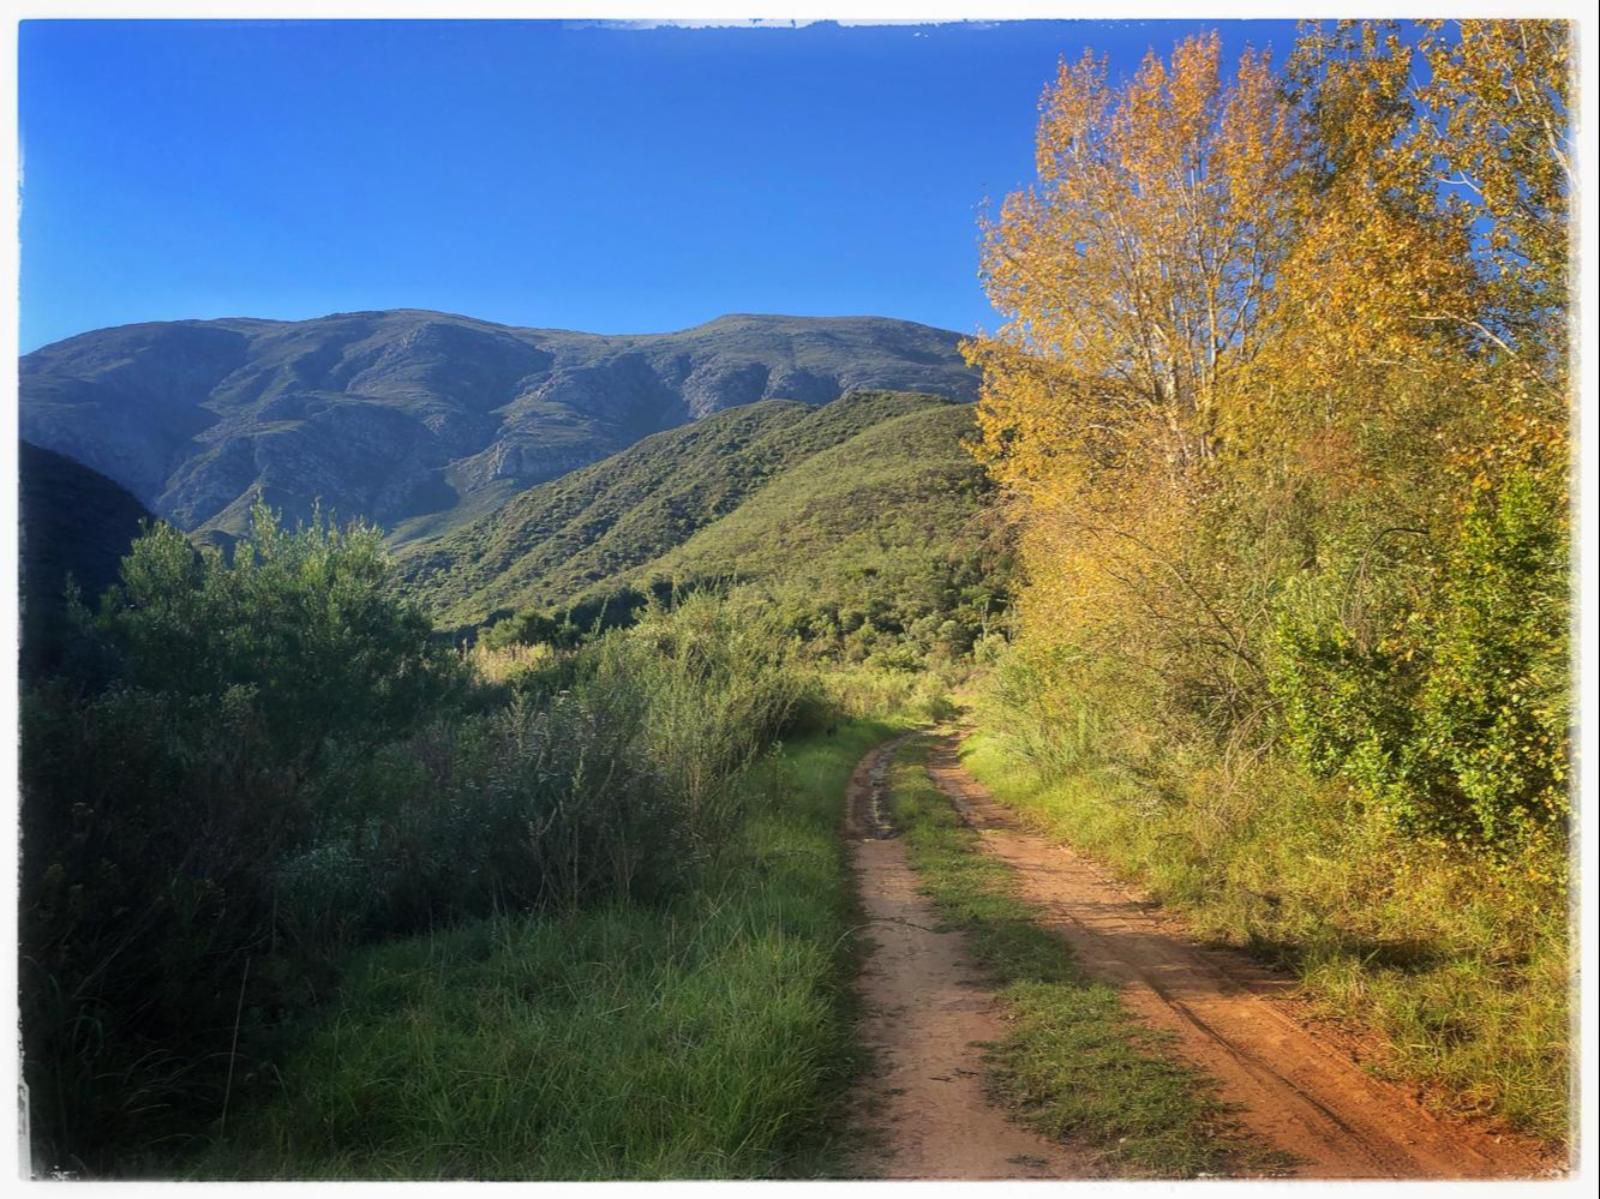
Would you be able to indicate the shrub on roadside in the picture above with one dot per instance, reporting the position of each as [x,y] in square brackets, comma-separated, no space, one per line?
[275,762]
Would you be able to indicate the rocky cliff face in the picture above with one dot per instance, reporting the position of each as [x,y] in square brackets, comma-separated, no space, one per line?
[408,417]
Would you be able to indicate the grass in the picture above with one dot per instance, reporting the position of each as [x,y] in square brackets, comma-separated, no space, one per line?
[1462,969]
[710,1038]
[1075,1064]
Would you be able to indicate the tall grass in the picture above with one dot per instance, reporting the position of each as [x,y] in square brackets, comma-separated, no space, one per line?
[863,691]
[705,1038]
[1460,964]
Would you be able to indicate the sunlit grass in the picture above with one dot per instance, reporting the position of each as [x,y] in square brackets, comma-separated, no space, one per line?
[708,1038]
[1074,1063]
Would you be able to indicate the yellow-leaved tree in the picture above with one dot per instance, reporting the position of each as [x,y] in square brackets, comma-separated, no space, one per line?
[1138,278]
[1282,365]
[1280,405]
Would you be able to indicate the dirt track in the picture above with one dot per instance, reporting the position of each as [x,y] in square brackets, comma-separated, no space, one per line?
[1296,1089]
[923,1105]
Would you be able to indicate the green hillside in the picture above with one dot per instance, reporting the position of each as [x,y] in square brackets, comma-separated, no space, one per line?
[880,534]
[598,527]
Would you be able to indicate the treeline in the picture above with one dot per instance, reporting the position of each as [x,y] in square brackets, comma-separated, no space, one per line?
[904,611]
[1281,406]
[252,765]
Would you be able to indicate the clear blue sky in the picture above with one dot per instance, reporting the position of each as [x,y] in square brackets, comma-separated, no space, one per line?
[616,180]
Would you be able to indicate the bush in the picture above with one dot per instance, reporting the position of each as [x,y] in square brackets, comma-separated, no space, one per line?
[304,619]
[162,789]
[1456,714]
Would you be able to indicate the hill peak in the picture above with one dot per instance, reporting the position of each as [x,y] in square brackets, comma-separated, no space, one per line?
[419,419]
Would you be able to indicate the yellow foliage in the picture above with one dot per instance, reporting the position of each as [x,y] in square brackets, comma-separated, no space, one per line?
[1247,315]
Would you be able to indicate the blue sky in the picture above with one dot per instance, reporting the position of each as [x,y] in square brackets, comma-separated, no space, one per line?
[615,180]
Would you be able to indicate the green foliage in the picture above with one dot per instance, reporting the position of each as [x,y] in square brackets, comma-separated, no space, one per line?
[589,529]
[620,782]
[302,621]
[1457,719]
[869,541]
[718,683]
[707,1038]
[1055,728]
[1495,718]
[159,792]
[284,765]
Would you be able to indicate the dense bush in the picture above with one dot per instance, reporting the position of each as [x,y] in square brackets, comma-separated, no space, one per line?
[161,785]
[300,620]
[269,760]
[1451,709]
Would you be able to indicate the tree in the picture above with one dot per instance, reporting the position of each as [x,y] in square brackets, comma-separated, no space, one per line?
[1138,275]
[1139,282]
[1281,389]
[301,624]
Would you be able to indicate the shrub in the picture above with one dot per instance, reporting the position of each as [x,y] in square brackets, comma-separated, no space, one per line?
[303,618]
[161,791]
[1456,714]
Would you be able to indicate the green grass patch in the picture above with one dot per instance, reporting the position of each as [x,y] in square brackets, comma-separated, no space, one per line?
[1461,967]
[710,1038]
[1076,1064]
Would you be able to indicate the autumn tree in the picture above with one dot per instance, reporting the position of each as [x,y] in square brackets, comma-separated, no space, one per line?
[1498,124]
[1281,386]
[1140,267]
[1138,281]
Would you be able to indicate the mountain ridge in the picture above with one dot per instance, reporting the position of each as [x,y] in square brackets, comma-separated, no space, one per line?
[422,420]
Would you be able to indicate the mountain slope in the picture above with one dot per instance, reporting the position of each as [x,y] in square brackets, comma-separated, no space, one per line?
[423,421]
[870,517]
[564,538]
[73,522]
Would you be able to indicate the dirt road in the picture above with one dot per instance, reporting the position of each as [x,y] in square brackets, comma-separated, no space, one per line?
[923,1105]
[1297,1090]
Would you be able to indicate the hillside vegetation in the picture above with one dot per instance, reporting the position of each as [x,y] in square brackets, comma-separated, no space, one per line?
[421,421]
[75,524]
[866,512]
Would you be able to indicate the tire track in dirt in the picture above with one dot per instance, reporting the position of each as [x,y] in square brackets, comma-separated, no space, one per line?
[925,1010]
[1234,1019]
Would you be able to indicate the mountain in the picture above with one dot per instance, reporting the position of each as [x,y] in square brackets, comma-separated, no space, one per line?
[73,521]
[423,421]
[868,508]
